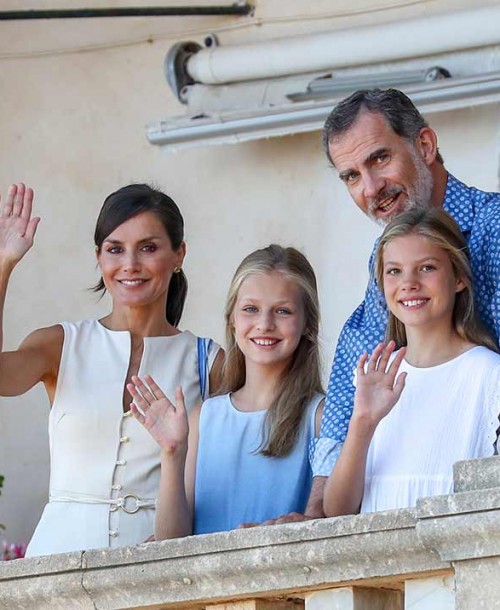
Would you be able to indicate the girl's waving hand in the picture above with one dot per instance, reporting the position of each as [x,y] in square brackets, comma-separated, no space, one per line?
[378,385]
[168,424]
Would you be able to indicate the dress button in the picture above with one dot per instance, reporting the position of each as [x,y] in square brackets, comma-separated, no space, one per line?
[113,533]
[121,462]
[117,486]
[124,439]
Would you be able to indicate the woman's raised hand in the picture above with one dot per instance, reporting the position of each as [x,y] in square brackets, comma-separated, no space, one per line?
[17,228]
[377,387]
[168,424]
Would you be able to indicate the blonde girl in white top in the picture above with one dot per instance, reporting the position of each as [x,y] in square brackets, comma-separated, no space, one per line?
[434,401]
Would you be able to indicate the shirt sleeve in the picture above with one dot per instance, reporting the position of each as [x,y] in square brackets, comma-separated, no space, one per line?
[324,455]
[484,247]
[492,410]
[492,264]
[361,333]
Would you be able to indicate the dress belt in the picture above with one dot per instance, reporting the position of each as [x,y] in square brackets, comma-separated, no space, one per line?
[129,503]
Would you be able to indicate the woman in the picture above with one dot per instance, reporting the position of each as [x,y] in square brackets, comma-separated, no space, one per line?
[104,467]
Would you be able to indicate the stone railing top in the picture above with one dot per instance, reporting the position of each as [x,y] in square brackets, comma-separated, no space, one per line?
[470,475]
[229,565]
[340,529]
[188,573]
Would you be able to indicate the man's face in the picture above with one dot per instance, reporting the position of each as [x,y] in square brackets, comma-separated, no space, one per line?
[384,173]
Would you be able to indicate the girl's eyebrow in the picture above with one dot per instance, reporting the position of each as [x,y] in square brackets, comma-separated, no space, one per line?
[418,262]
[250,298]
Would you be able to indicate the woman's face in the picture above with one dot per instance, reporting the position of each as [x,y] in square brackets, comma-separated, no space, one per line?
[137,261]
[419,283]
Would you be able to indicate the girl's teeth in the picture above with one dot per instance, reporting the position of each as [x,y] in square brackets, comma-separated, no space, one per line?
[413,303]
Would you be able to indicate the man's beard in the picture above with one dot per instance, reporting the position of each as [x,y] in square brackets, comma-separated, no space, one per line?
[418,194]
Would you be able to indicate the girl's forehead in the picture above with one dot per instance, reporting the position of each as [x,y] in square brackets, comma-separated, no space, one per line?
[275,282]
[413,244]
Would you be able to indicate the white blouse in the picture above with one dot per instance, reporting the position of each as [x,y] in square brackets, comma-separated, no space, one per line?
[446,413]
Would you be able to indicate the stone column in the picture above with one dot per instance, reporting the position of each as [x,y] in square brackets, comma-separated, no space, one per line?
[464,528]
[432,593]
[354,598]
[260,604]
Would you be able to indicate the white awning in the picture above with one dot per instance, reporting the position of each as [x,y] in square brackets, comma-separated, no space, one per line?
[238,126]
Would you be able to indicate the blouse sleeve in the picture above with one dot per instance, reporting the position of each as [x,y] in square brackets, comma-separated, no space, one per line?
[492,409]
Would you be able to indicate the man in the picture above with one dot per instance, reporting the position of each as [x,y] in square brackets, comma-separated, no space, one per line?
[387,156]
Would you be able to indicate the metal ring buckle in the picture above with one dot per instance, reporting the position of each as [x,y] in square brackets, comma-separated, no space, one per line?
[123,503]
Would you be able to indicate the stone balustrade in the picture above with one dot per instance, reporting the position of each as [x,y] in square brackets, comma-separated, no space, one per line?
[442,555]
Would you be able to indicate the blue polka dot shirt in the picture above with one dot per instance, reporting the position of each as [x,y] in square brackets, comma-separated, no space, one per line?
[478,215]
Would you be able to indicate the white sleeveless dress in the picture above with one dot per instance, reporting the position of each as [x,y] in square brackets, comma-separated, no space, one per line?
[446,413]
[104,466]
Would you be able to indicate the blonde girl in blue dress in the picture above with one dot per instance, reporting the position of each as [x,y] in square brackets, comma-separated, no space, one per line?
[243,455]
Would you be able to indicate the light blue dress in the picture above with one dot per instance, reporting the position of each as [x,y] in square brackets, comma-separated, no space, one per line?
[235,483]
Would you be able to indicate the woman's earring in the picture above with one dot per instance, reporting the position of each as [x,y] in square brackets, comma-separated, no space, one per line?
[177,269]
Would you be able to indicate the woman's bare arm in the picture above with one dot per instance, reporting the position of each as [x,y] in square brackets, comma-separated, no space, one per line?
[37,358]
[17,231]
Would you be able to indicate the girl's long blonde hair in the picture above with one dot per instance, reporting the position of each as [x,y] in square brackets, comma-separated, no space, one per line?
[302,379]
[440,228]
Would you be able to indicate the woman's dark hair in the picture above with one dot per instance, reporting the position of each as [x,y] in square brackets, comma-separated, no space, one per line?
[127,202]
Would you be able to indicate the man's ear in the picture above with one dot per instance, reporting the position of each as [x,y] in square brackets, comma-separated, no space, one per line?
[426,144]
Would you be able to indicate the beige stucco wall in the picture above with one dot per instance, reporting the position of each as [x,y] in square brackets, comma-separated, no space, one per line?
[73,126]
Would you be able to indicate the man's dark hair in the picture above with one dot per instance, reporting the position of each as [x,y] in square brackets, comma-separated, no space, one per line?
[397,109]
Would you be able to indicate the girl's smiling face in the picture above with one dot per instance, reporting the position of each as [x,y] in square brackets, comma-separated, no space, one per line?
[268,318]
[419,282]
[137,261]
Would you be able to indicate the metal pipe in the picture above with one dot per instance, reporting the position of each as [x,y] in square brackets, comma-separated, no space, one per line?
[437,96]
[239,8]
[351,47]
